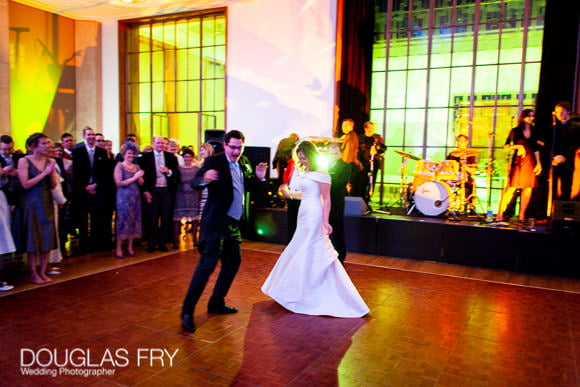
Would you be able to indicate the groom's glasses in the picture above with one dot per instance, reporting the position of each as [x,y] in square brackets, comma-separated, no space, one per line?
[235,147]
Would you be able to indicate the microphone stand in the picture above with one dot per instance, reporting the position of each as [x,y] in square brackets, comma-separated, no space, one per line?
[371,182]
[510,155]
[490,162]
[490,168]
[551,173]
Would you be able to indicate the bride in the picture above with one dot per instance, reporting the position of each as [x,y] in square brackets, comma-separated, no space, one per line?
[308,277]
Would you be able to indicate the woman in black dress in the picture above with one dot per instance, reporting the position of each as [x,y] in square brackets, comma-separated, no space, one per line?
[525,164]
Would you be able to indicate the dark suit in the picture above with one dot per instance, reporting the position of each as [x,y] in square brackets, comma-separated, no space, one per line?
[220,238]
[158,215]
[11,185]
[87,205]
[366,144]
[65,225]
[567,141]
[340,175]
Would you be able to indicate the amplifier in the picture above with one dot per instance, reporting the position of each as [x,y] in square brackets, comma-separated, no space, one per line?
[355,205]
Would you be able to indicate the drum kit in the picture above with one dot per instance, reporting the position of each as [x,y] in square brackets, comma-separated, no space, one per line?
[438,186]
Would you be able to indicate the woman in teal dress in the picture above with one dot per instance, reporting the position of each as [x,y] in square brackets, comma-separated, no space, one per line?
[37,174]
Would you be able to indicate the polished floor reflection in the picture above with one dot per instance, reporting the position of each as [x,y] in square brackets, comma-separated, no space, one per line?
[424,328]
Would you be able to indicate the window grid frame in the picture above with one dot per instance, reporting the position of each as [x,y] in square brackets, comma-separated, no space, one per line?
[133,112]
[481,27]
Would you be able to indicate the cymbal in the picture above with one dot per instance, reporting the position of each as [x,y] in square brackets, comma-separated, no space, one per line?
[408,155]
[468,152]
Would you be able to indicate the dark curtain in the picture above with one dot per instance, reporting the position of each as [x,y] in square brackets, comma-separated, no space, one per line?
[355,61]
[559,59]
[558,77]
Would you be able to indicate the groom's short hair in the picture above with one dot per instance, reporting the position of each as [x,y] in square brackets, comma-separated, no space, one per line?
[234,134]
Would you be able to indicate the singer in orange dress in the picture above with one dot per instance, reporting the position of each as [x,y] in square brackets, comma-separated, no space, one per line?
[525,164]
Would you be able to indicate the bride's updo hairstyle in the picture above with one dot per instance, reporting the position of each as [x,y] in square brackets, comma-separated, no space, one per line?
[310,152]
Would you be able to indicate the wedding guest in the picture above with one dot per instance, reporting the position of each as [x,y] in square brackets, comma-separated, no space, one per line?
[160,180]
[38,176]
[128,177]
[186,199]
[58,200]
[92,184]
[65,215]
[205,150]
[174,148]
[68,143]
[6,241]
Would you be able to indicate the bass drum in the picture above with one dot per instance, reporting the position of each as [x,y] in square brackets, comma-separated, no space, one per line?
[432,198]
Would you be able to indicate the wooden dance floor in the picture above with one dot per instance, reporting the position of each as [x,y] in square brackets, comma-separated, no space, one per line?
[423,329]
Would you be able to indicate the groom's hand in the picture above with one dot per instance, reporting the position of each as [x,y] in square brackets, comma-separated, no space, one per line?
[210,175]
[261,170]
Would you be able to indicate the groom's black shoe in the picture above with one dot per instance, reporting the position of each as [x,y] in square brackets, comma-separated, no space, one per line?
[223,309]
[187,323]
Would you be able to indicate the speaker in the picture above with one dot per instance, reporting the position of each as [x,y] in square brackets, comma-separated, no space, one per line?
[214,135]
[215,138]
[566,216]
[258,154]
[355,205]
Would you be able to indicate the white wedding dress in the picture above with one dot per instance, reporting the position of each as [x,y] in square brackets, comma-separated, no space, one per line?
[308,278]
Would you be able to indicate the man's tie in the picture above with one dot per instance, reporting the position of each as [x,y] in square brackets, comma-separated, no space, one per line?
[92,163]
[237,209]
[160,160]
[161,180]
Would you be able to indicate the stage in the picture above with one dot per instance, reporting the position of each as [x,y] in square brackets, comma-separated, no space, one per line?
[467,241]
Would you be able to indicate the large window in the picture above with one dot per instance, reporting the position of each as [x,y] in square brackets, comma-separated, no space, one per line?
[447,67]
[175,77]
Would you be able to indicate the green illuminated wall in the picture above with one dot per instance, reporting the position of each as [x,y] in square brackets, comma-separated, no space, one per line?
[464,67]
[176,78]
[42,73]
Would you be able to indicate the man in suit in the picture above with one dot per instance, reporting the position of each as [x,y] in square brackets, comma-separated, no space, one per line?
[566,136]
[9,182]
[340,174]
[371,150]
[158,189]
[68,143]
[92,182]
[227,176]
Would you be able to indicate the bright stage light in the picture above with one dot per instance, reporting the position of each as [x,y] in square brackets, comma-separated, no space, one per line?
[323,161]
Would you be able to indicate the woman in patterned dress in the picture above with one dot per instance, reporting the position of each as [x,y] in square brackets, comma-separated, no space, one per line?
[205,150]
[186,198]
[128,177]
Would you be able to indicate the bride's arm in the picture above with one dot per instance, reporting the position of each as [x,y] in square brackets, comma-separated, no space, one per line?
[287,193]
[325,194]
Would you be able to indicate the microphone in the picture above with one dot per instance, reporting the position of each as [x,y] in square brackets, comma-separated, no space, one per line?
[553,118]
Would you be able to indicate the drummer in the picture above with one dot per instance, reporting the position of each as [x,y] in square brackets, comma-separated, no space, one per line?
[467,164]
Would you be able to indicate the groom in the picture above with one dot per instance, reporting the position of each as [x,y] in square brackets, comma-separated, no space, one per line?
[227,176]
